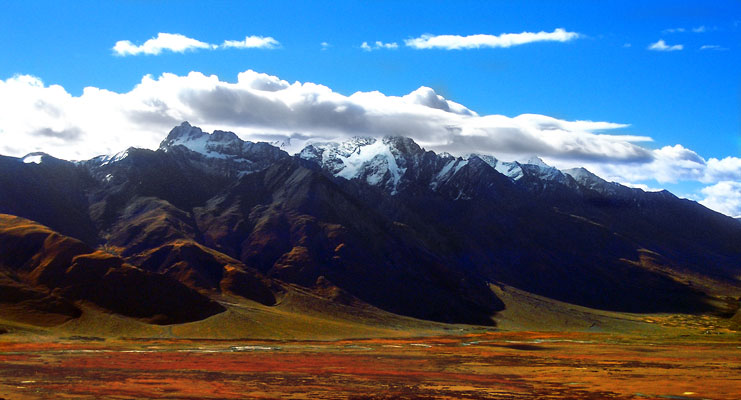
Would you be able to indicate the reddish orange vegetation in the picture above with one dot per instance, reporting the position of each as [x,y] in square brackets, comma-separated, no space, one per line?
[493,365]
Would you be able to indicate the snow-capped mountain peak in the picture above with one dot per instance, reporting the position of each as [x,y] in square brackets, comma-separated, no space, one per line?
[583,176]
[374,161]
[535,160]
[590,181]
[219,144]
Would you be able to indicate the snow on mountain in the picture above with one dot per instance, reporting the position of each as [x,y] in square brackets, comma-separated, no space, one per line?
[394,162]
[516,170]
[591,181]
[222,150]
[534,160]
[451,167]
[585,178]
[220,144]
[33,158]
[365,158]
[104,160]
[39,157]
[390,163]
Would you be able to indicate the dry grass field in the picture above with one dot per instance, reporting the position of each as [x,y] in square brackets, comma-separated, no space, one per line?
[540,349]
[494,365]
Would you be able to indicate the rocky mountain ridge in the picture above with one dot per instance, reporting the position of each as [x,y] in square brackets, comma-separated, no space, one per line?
[383,222]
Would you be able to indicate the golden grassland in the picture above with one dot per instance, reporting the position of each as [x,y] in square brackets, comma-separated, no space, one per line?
[494,365]
[307,347]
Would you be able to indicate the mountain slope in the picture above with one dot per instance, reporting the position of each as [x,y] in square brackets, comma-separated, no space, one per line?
[297,225]
[52,273]
[546,231]
[381,223]
[49,190]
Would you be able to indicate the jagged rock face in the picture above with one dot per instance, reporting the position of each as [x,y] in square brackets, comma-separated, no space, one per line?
[382,220]
[375,162]
[220,151]
[297,225]
[396,163]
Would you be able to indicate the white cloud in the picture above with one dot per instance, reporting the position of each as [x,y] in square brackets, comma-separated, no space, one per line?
[662,46]
[427,97]
[258,106]
[671,164]
[712,47]
[456,42]
[164,41]
[697,29]
[36,117]
[728,168]
[252,42]
[178,43]
[724,197]
[325,45]
[379,45]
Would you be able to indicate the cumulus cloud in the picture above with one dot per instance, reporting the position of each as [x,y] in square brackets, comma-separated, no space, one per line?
[456,42]
[178,43]
[39,117]
[724,197]
[728,168]
[427,97]
[174,42]
[671,164]
[379,45]
[662,46]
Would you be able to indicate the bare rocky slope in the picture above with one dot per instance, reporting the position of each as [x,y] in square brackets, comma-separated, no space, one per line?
[380,221]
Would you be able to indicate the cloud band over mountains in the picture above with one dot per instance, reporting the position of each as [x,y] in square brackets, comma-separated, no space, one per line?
[37,117]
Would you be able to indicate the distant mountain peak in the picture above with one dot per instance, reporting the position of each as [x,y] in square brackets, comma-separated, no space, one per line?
[535,160]
[182,132]
[584,176]
[219,145]
[194,138]
[366,158]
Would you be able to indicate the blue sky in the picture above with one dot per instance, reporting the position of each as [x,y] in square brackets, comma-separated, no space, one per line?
[605,72]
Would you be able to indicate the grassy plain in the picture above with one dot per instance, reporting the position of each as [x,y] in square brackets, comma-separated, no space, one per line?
[491,365]
[308,348]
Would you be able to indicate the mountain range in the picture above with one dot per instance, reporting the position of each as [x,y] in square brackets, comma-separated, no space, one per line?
[166,236]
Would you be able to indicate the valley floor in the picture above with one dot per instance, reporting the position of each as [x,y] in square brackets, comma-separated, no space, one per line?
[479,365]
